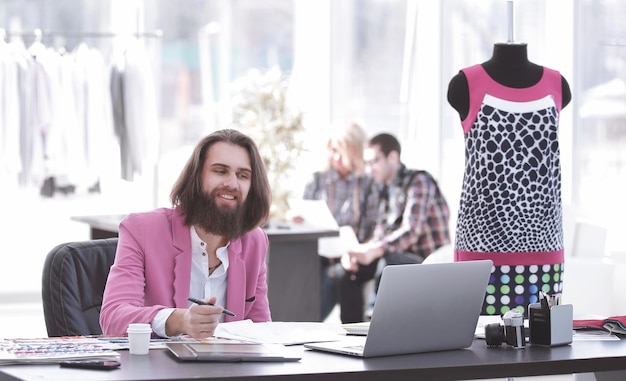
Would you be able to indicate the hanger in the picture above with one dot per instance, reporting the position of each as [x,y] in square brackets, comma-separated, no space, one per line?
[36,47]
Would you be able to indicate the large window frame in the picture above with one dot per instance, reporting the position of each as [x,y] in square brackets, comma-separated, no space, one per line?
[321,43]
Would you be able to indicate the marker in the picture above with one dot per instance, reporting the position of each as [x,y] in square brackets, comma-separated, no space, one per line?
[203,303]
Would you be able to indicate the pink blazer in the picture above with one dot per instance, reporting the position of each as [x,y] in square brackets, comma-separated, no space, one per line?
[152,271]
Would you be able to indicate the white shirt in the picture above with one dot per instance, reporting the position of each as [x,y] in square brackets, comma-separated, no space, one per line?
[202,285]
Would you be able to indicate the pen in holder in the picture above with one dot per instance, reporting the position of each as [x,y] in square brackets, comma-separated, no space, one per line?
[549,324]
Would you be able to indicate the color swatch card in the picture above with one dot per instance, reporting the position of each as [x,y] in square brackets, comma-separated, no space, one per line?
[53,350]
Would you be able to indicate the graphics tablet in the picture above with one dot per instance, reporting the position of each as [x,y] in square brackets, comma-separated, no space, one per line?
[232,352]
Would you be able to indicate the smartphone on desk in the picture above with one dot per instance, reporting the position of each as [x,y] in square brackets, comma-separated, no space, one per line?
[90,364]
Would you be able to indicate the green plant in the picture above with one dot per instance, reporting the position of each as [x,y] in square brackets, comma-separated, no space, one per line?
[260,109]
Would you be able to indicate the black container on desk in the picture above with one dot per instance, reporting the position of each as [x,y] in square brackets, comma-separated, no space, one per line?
[550,326]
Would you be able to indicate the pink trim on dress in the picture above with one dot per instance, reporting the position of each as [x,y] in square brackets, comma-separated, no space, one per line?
[512,259]
[480,83]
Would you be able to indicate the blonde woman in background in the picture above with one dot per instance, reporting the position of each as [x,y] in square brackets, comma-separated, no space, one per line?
[342,184]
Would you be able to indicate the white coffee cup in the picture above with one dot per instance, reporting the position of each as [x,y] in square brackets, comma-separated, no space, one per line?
[139,338]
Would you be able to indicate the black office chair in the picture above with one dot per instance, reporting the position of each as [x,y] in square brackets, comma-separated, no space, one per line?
[74,276]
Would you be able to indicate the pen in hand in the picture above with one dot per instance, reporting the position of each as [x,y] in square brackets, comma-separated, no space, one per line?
[203,303]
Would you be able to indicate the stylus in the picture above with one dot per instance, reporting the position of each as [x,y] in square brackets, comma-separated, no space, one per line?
[203,303]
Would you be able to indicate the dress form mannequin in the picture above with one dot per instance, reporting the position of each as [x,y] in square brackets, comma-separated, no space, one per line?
[510,210]
[509,66]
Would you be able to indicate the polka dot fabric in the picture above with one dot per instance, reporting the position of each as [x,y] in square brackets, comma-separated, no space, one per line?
[510,208]
[514,287]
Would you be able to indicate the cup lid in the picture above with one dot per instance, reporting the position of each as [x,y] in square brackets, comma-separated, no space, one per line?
[139,327]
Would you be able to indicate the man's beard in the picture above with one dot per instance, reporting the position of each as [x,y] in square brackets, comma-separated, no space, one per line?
[214,219]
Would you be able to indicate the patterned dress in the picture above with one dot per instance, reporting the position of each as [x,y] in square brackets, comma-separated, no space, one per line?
[510,208]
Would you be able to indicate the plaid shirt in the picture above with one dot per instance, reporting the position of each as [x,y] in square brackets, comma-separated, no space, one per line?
[413,215]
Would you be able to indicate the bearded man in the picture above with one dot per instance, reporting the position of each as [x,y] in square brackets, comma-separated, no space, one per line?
[208,247]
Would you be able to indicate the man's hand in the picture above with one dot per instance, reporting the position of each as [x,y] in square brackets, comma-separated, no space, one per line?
[198,321]
[349,263]
[366,253]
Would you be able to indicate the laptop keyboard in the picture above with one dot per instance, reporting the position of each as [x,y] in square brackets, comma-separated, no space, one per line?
[355,347]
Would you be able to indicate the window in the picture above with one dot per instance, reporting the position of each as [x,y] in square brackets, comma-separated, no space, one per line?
[385,64]
[600,102]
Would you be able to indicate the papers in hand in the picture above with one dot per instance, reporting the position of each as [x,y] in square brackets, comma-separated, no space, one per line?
[314,213]
[286,333]
[335,247]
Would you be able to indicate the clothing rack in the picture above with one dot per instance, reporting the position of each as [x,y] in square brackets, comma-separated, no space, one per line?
[49,185]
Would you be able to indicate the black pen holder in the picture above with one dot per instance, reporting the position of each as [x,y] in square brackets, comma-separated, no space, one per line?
[550,326]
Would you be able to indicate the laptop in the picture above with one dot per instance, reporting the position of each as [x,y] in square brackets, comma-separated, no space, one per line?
[421,308]
[232,352]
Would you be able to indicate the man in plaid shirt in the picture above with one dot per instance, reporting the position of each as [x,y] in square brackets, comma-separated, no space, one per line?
[412,222]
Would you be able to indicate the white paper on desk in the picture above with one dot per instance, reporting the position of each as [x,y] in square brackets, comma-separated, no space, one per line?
[593,335]
[335,247]
[286,333]
[483,320]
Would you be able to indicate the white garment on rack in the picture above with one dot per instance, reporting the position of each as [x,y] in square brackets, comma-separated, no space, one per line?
[39,89]
[135,109]
[10,160]
[56,117]
[93,109]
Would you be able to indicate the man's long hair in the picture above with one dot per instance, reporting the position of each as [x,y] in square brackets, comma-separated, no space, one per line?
[187,190]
